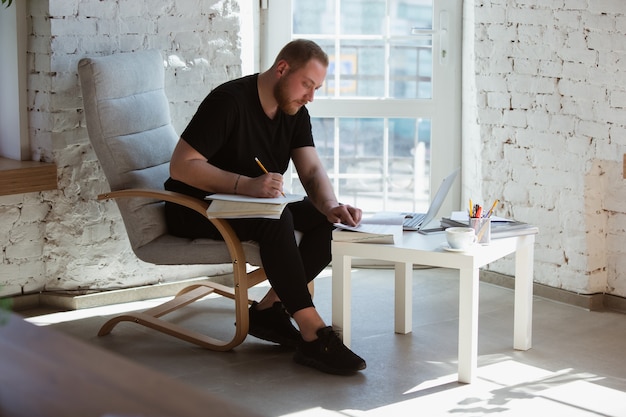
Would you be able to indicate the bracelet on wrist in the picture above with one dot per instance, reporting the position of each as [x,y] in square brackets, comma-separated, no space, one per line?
[236,184]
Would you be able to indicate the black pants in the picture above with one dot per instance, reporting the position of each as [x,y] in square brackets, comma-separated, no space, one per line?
[289,267]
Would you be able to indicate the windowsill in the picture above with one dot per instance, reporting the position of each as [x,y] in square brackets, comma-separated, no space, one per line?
[18,177]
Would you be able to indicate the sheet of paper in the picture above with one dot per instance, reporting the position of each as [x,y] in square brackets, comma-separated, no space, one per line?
[379,223]
[384,218]
[289,198]
[368,228]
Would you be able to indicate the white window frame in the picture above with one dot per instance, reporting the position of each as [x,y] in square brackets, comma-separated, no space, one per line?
[14,139]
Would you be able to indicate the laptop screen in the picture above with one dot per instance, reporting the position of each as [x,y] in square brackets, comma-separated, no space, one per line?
[441,195]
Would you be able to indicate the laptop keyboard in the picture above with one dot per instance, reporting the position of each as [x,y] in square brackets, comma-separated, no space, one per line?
[413,220]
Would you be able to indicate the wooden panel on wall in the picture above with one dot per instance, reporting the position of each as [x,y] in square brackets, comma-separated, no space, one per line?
[18,177]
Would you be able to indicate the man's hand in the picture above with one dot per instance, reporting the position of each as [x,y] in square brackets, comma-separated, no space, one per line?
[344,213]
[272,185]
[268,185]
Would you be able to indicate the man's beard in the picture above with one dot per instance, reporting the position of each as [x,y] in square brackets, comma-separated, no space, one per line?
[282,98]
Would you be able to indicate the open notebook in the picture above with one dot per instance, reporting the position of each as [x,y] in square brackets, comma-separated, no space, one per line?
[417,221]
[236,206]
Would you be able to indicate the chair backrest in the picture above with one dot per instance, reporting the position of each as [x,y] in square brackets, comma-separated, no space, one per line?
[129,126]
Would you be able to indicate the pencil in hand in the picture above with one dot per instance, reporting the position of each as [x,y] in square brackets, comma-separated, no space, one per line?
[264,170]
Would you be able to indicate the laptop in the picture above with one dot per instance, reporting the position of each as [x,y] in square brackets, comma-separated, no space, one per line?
[417,221]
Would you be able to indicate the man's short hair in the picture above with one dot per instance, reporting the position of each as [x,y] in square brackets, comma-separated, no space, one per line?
[300,51]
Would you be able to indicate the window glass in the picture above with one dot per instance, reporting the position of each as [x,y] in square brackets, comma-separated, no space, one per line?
[371,55]
[362,17]
[313,17]
[379,51]
[370,158]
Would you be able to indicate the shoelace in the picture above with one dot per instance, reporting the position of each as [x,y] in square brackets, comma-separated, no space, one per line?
[333,342]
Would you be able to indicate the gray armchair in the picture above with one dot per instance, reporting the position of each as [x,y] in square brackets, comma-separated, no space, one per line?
[128,122]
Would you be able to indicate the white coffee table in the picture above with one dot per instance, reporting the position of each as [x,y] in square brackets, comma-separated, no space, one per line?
[418,249]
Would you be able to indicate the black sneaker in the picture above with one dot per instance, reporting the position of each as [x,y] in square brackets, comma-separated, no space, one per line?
[274,325]
[328,354]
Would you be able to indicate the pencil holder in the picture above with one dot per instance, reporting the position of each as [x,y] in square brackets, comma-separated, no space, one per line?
[482,228]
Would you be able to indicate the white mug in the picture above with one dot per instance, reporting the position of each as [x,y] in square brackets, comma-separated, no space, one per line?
[460,238]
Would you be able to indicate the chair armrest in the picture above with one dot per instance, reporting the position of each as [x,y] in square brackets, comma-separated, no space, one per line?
[164,195]
[222,225]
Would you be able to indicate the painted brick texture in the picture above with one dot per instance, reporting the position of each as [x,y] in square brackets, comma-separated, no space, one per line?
[66,239]
[549,88]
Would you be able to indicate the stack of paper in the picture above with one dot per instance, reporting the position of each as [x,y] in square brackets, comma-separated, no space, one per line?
[375,229]
[231,206]
[500,226]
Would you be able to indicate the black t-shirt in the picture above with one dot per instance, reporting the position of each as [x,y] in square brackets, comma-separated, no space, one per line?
[230,129]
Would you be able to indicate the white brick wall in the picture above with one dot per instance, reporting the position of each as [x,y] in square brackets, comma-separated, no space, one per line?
[551,97]
[66,239]
[546,86]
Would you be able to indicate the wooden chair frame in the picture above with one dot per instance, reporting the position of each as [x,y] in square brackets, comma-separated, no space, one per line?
[243,280]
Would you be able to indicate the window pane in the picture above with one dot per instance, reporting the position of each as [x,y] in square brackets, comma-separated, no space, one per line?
[406,15]
[313,17]
[361,73]
[324,135]
[364,44]
[360,138]
[410,70]
[328,88]
[362,17]
[379,164]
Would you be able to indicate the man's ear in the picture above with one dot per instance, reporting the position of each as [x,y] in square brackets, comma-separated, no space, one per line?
[282,68]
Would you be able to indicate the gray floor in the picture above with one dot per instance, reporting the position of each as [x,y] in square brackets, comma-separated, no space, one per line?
[575,368]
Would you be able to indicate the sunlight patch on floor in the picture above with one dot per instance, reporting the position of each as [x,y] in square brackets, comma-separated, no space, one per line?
[113,309]
[321,412]
[587,396]
[65,316]
[507,388]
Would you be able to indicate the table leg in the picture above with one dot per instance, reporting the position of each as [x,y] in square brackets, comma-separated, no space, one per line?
[341,296]
[404,298]
[523,310]
[468,324]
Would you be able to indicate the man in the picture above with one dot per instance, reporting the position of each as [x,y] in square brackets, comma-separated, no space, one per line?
[263,116]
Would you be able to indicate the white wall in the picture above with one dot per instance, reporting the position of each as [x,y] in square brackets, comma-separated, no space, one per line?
[550,105]
[544,126]
[66,239]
